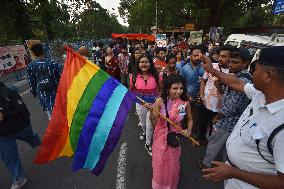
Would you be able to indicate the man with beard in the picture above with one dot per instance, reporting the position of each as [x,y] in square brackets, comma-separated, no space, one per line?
[233,105]
[160,63]
[170,69]
[255,147]
[192,72]
[211,93]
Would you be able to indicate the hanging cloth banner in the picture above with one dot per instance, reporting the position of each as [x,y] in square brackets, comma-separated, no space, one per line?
[134,36]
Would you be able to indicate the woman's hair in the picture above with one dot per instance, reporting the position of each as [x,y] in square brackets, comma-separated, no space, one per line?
[168,82]
[182,57]
[132,58]
[152,70]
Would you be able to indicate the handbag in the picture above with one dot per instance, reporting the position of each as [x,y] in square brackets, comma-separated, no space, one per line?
[174,139]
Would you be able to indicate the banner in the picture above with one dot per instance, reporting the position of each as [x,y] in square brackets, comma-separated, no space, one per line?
[161,40]
[189,26]
[195,37]
[12,58]
[278,7]
[134,36]
[30,43]
[215,33]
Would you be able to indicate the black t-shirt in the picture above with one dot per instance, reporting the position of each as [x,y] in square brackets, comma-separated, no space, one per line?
[16,114]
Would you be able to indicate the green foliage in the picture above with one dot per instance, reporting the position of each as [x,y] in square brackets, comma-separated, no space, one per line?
[55,19]
[204,14]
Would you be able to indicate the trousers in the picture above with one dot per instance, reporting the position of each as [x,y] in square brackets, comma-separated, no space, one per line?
[144,121]
[9,150]
[216,144]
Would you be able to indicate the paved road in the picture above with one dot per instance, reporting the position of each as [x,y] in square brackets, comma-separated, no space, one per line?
[129,166]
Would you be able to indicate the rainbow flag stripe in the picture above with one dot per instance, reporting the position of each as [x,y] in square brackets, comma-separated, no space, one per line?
[89,113]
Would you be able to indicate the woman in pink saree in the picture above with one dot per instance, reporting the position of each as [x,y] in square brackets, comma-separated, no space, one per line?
[165,159]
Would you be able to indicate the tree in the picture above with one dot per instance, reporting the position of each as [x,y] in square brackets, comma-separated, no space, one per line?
[205,13]
[14,20]
[55,19]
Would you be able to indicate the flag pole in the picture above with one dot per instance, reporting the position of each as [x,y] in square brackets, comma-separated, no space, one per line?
[172,123]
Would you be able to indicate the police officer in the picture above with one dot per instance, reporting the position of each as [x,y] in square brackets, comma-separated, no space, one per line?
[255,147]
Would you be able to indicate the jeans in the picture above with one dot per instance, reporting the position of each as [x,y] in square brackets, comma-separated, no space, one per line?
[9,150]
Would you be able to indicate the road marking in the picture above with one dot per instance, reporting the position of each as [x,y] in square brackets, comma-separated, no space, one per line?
[25,92]
[121,169]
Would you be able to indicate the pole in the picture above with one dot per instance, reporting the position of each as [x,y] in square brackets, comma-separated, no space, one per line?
[172,123]
[156,16]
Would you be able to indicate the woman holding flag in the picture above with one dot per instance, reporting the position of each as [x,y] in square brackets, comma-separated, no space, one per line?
[166,150]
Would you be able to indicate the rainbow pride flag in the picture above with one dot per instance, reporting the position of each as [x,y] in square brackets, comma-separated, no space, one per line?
[88,116]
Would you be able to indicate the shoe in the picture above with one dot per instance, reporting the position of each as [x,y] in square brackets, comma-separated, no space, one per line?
[19,183]
[149,149]
[142,135]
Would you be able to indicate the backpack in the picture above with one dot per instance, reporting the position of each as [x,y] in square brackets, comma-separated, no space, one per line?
[269,145]
[45,82]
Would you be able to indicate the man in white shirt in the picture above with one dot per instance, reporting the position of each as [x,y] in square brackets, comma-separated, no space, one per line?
[250,163]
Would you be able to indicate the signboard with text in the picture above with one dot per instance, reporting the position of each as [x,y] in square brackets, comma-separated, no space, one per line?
[161,40]
[12,58]
[189,27]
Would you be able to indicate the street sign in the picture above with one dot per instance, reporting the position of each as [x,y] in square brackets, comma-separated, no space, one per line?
[189,27]
[278,7]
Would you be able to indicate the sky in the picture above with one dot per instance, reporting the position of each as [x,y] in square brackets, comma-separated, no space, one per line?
[112,6]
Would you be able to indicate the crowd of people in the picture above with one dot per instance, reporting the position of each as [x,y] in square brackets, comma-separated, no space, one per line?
[210,92]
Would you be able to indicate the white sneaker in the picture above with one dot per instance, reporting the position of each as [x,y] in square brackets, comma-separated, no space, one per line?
[19,183]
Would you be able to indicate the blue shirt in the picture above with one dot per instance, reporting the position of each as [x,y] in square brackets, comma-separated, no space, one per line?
[54,69]
[180,65]
[233,105]
[192,78]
